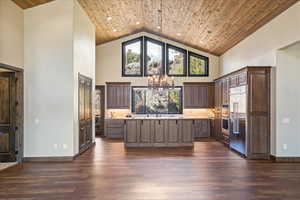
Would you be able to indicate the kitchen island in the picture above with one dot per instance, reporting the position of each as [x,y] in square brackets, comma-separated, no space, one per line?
[158,131]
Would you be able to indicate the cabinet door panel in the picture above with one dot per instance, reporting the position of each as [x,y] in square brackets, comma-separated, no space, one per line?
[173,131]
[145,131]
[132,131]
[187,131]
[159,131]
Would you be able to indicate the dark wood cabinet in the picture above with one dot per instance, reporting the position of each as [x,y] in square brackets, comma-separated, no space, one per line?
[118,95]
[187,130]
[202,128]
[85,112]
[198,95]
[218,109]
[158,132]
[257,82]
[225,91]
[146,132]
[173,132]
[132,130]
[114,128]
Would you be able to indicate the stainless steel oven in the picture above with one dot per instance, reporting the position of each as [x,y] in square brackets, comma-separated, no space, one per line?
[225,120]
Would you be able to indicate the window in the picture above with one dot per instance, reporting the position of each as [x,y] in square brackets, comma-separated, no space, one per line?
[176,61]
[132,58]
[197,65]
[158,100]
[154,57]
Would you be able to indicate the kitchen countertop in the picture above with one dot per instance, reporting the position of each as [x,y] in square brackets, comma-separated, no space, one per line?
[163,117]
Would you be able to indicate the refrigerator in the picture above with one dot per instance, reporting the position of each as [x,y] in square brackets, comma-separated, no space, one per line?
[238,119]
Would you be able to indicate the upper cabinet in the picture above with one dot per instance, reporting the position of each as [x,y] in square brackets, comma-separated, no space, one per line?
[238,79]
[118,95]
[198,95]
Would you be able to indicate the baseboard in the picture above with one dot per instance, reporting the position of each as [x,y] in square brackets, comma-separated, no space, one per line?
[285,159]
[49,159]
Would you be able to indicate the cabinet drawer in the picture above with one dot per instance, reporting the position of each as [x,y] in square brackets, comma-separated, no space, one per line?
[114,123]
[114,132]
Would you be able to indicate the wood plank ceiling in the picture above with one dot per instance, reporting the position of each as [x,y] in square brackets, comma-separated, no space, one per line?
[210,25]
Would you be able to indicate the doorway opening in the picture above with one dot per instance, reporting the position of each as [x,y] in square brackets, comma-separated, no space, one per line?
[99,110]
[11,113]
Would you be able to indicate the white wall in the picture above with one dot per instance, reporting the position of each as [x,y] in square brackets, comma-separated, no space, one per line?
[260,49]
[288,98]
[84,60]
[59,44]
[109,63]
[11,34]
[49,83]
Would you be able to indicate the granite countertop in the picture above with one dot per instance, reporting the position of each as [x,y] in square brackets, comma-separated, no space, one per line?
[162,117]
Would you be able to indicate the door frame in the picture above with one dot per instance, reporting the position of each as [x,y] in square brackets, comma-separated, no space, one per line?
[19,113]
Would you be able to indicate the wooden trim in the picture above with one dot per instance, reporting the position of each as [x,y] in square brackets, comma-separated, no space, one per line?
[49,159]
[242,69]
[199,83]
[16,69]
[118,83]
[285,159]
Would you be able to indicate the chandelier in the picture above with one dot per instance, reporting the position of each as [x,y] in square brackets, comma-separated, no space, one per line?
[160,81]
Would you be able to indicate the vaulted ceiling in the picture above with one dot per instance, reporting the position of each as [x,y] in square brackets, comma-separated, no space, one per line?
[210,25]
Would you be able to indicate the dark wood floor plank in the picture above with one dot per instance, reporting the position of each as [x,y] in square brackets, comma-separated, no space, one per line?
[109,172]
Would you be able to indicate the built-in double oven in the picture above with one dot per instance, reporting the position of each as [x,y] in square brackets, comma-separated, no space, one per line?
[225,122]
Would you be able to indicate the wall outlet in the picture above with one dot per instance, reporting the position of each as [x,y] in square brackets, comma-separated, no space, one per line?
[65,146]
[284,146]
[36,120]
[286,120]
[55,146]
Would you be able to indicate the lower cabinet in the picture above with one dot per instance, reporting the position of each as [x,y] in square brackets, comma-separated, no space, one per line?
[114,128]
[202,128]
[159,132]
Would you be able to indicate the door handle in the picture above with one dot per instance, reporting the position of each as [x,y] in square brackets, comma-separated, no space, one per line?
[176,121]
[158,121]
[142,122]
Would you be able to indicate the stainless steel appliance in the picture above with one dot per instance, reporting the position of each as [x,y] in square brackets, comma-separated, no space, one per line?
[238,119]
[225,123]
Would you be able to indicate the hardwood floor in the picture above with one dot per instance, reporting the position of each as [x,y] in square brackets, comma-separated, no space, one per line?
[108,172]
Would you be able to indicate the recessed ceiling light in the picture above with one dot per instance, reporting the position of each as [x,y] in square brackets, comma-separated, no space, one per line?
[114,30]
[137,23]
[109,18]
[158,27]
[179,34]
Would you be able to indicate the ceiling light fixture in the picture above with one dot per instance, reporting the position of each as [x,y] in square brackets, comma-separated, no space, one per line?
[179,34]
[158,27]
[137,23]
[109,18]
[114,30]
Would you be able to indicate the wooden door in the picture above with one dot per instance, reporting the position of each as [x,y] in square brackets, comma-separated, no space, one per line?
[85,112]
[7,116]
